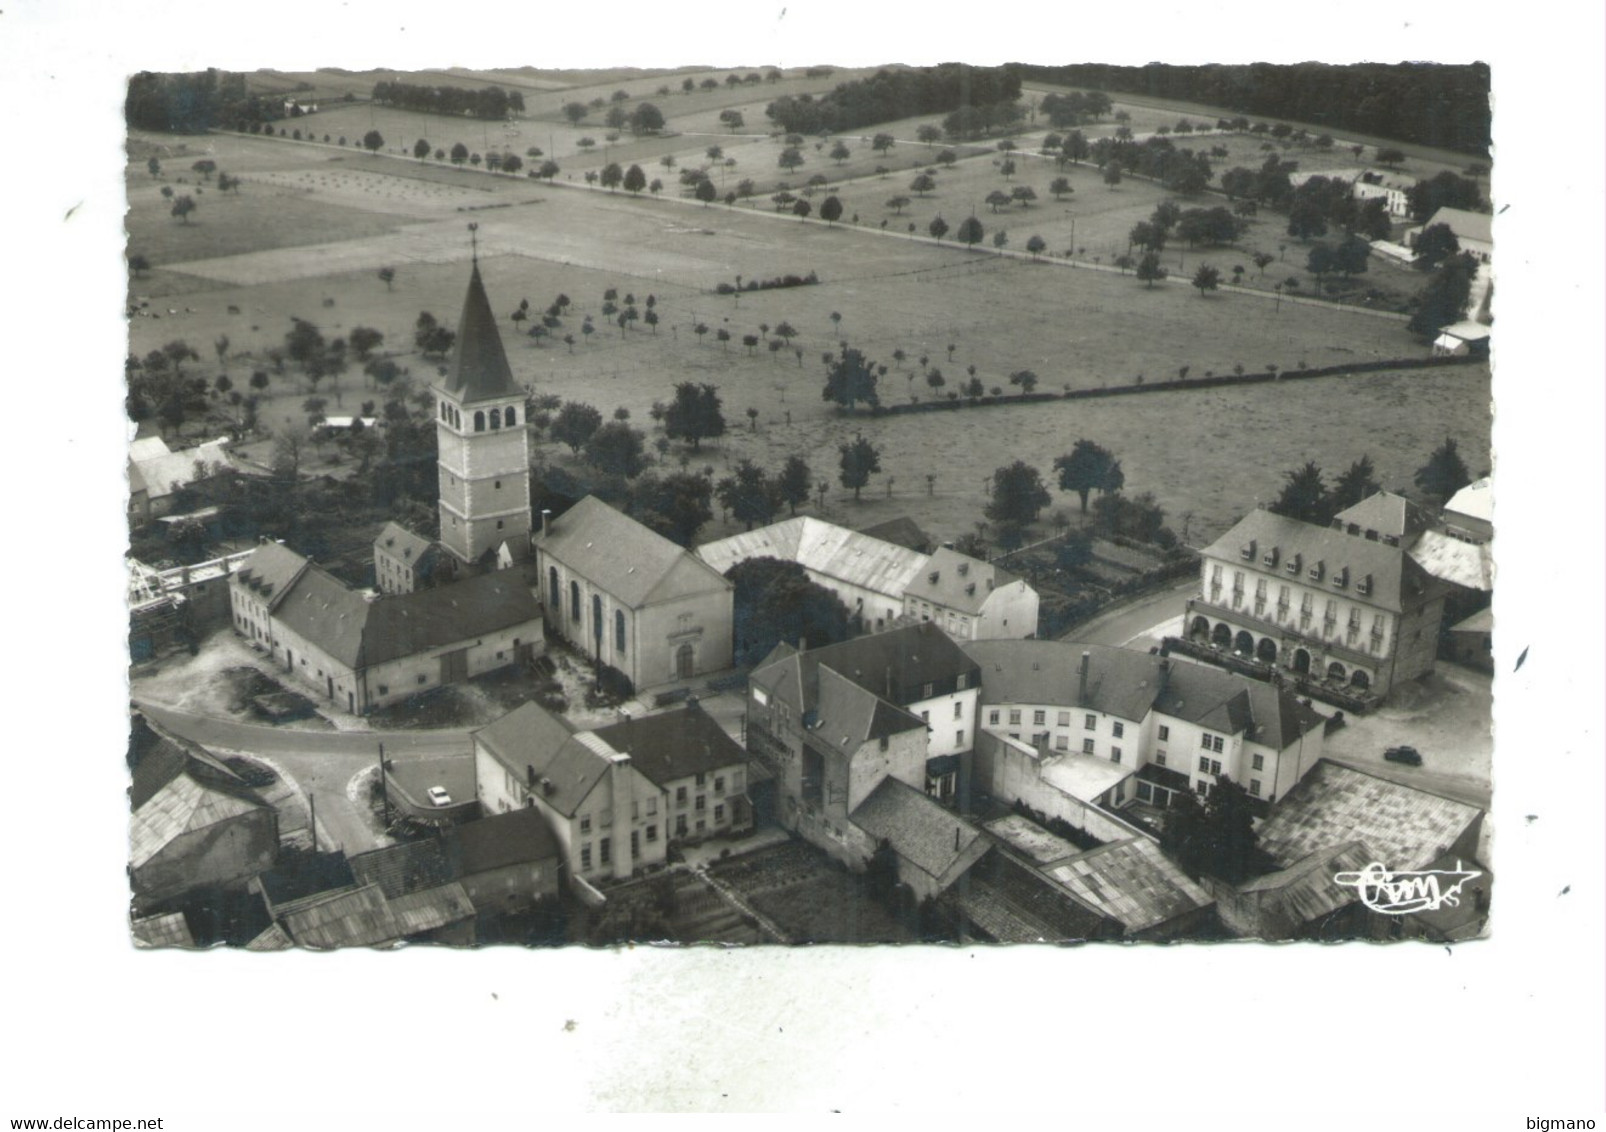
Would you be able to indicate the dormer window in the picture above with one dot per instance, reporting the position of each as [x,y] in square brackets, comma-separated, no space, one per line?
[964,569]
[1248,551]
[933,576]
[970,588]
[1316,571]
[1364,585]
[1270,560]
[1341,578]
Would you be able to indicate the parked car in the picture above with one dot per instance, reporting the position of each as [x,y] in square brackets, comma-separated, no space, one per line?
[1410,756]
[439,796]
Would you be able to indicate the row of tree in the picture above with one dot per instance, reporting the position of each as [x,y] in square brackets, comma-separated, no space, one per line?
[889,95]
[1444,105]
[1306,495]
[490,103]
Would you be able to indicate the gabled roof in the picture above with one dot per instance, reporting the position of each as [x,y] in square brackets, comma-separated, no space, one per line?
[162,472]
[1221,701]
[399,542]
[633,563]
[1475,501]
[897,664]
[565,764]
[269,572]
[1480,622]
[1133,882]
[837,712]
[358,917]
[430,908]
[675,744]
[1398,584]
[515,838]
[1306,890]
[957,581]
[358,632]
[1466,225]
[902,531]
[479,369]
[1387,514]
[919,829]
[407,866]
[1334,804]
[851,557]
[1451,559]
[1120,682]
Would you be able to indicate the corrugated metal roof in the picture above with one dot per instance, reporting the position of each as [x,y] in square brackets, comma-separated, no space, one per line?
[1404,826]
[1030,838]
[165,472]
[1306,890]
[182,806]
[850,557]
[1466,225]
[272,938]
[430,908]
[358,918]
[1133,882]
[916,825]
[634,564]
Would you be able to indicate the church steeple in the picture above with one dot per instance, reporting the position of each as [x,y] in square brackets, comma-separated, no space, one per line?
[479,369]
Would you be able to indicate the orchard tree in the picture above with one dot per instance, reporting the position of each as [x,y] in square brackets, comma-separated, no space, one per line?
[897,204]
[938,228]
[1018,495]
[1149,269]
[1207,278]
[1059,186]
[421,149]
[1036,246]
[616,449]
[830,210]
[923,184]
[795,482]
[791,158]
[575,424]
[373,141]
[1025,378]
[850,379]
[182,207]
[1089,467]
[860,460]
[695,414]
[750,494]
[970,231]
[635,180]
[840,152]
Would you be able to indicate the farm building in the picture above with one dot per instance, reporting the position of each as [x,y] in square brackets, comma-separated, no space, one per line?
[885,584]
[156,473]
[404,562]
[1317,602]
[196,825]
[360,653]
[1472,231]
[629,598]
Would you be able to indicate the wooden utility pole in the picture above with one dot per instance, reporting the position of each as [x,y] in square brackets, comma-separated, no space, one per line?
[312,819]
[384,787]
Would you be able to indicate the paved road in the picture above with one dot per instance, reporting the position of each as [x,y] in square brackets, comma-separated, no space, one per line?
[1127,624]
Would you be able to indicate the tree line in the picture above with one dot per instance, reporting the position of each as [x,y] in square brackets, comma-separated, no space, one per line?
[889,95]
[491,103]
[1443,105]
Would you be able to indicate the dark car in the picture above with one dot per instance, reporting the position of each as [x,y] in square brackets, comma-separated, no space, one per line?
[1410,756]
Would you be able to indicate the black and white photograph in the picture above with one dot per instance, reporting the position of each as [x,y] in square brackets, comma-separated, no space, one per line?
[859,532]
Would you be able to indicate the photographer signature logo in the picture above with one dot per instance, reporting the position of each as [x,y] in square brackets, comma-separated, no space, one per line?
[1395,894]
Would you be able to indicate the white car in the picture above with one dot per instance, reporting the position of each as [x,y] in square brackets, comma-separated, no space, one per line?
[439,796]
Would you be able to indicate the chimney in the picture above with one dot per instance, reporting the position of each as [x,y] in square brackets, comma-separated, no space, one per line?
[545,511]
[1082,682]
[802,644]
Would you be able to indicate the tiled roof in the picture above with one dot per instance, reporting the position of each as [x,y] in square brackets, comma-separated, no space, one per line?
[407,866]
[674,744]
[170,930]
[902,531]
[957,581]
[1221,701]
[1466,225]
[615,553]
[850,557]
[399,542]
[1133,882]
[1120,682]
[896,664]
[183,806]
[531,741]
[1397,583]
[479,369]
[1450,559]
[1387,514]
[358,917]
[514,838]
[918,827]
[1334,804]
[358,632]
[270,571]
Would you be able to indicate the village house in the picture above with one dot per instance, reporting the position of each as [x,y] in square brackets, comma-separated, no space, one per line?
[404,562]
[700,771]
[971,600]
[1472,231]
[1085,726]
[630,599]
[885,585]
[156,473]
[610,820]
[1317,602]
[363,653]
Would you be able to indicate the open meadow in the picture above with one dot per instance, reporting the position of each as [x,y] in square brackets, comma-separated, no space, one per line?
[310,226]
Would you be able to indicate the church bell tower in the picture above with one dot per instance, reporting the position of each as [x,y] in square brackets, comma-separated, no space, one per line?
[484,446]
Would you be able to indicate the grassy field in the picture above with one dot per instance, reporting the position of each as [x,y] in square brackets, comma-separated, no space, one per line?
[311,225]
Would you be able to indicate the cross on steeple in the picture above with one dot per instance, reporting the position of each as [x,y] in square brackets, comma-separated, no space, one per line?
[474,242]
